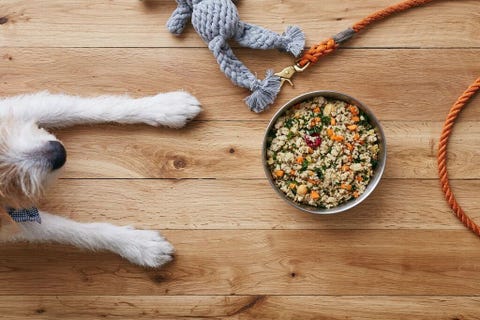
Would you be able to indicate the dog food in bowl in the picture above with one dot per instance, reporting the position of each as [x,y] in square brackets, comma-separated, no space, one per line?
[322,152]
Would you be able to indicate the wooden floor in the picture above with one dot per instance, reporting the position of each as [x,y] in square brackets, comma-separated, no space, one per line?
[241,252]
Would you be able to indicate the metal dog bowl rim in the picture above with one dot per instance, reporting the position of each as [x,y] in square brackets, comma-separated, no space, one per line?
[378,172]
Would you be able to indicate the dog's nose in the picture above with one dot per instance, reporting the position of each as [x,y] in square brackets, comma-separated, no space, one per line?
[56,154]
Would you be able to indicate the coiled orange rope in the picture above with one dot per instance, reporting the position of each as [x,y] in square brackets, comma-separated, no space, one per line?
[312,55]
[442,156]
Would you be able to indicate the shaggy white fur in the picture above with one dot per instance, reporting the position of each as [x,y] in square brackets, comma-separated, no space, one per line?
[30,158]
[143,247]
[172,109]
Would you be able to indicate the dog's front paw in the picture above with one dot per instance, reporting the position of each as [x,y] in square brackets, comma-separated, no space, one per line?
[173,109]
[145,247]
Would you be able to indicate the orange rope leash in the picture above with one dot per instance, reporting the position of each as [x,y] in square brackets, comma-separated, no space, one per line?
[384,13]
[442,156]
[312,55]
[325,47]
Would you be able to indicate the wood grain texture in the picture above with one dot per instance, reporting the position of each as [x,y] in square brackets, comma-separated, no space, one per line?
[280,262]
[211,204]
[131,23]
[232,150]
[396,84]
[242,253]
[239,307]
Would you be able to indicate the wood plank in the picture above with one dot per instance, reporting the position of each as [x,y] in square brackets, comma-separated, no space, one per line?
[396,84]
[328,262]
[251,204]
[239,307]
[129,23]
[241,252]
[232,150]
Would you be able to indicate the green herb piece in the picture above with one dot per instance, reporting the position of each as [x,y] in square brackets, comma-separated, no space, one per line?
[315,129]
[365,122]
[326,120]
[319,173]
[304,165]
[289,123]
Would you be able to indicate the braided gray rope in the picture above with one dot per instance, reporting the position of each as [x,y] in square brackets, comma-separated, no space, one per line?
[217,21]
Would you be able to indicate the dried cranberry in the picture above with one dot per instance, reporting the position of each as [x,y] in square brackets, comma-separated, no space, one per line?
[314,140]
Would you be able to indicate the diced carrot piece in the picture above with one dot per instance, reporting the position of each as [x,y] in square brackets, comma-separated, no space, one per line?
[356,194]
[316,110]
[310,150]
[300,160]
[314,195]
[345,167]
[356,136]
[292,185]
[293,172]
[312,181]
[355,119]
[333,121]
[349,146]
[338,138]
[329,132]
[359,178]
[279,173]
[353,110]
[346,186]
[352,127]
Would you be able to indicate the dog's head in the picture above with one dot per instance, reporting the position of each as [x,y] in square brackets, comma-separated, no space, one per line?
[29,159]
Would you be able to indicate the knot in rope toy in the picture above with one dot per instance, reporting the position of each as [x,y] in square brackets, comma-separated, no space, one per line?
[217,21]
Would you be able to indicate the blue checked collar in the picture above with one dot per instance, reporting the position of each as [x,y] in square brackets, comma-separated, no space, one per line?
[24,215]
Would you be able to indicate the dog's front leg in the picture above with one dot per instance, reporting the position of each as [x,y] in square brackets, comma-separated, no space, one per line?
[172,109]
[142,247]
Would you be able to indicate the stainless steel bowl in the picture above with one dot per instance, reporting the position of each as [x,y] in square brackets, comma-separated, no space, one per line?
[377,175]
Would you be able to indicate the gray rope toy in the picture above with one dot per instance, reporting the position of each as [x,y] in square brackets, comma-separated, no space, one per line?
[217,21]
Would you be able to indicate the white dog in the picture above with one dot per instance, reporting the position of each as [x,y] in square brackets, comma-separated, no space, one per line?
[30,157]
